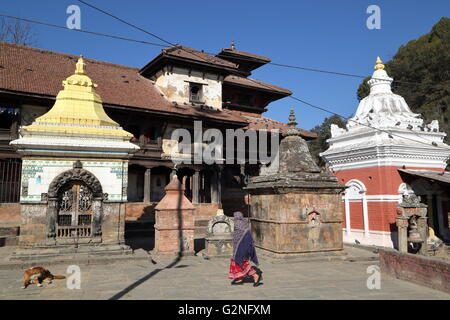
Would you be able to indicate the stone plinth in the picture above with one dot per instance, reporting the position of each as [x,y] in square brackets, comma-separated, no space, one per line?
[174,227]
[219,237]
[295,208]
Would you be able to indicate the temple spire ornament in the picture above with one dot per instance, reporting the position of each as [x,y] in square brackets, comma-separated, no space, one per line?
[379,64]
[292,124]
[80,67]
[232,45]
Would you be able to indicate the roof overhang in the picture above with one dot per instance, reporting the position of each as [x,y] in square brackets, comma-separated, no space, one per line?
[434,176]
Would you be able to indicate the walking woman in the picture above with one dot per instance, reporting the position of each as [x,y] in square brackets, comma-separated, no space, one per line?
[243,251]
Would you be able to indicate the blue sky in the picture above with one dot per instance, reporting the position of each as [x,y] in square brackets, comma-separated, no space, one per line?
[330,35]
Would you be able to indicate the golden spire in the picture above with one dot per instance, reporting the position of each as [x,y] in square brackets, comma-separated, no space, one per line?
[80,67]
[379,65]
[78,109]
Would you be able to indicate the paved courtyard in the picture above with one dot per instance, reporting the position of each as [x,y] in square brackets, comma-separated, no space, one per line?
[197,278]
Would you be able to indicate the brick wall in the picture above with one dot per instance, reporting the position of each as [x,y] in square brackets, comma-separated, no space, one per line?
[10,214]
[140,211]
[427,271]
[378,180]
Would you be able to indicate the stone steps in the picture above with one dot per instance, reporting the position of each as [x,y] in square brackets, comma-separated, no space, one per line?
[9,236]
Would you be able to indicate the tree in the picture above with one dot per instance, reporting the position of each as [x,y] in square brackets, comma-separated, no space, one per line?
[323,131]
[16,32]
[425,61]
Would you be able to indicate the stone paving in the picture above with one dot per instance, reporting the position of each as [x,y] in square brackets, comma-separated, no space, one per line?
[196,278]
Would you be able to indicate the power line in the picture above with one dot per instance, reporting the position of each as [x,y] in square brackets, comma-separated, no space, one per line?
[213,54]
[202,58]
[126,22]
[272,63]
[259,83]
[83,31]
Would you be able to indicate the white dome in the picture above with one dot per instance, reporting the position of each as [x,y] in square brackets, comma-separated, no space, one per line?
[382,107]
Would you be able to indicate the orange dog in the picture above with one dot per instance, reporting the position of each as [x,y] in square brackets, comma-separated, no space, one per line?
[38,275]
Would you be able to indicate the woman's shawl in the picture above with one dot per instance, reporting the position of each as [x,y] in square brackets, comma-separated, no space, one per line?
[243,248]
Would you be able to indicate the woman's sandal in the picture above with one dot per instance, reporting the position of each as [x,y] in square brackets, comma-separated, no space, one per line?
[235,283]
[258,282]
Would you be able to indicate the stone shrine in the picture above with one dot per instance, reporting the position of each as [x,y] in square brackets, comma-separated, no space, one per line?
[74,175]
[219,236]
[295,208]
[175,217]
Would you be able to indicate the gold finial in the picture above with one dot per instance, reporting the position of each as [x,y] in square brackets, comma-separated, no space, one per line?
[80,66]
[232,45]
[379,65]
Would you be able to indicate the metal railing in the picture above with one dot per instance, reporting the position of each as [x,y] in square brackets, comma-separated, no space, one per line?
[10,172]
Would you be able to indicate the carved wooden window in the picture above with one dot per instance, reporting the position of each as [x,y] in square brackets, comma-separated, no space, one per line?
[75,211]
[195,92]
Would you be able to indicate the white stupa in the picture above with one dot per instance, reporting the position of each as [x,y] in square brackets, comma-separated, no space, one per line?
[386,131]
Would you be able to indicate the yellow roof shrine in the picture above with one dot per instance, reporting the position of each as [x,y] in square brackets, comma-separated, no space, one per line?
[78,110]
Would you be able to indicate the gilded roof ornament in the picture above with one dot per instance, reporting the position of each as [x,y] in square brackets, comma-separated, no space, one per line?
[379,64]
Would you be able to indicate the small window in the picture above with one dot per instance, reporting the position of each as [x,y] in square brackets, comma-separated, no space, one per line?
[195,92]
[151,135]
[7,117]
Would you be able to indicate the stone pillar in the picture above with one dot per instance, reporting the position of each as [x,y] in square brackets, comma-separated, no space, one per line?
[97,217]
[174,227]
[195,187]
[214,191]
[402,225]
[52,213]
[219,185]
[147,184]
[422,227]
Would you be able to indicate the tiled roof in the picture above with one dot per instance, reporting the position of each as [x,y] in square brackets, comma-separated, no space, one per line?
[40,72]
[264,123]
[196,55]
[238,53]
[241,81]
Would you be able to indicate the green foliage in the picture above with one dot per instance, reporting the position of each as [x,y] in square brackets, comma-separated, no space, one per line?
[425,61]
[323,131]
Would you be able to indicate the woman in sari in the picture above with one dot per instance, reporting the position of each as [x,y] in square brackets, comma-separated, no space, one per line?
[243,251]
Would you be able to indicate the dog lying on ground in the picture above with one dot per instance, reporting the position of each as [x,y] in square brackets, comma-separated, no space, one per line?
[38,275]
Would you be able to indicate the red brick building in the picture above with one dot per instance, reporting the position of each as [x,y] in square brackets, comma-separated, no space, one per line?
[387,151]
